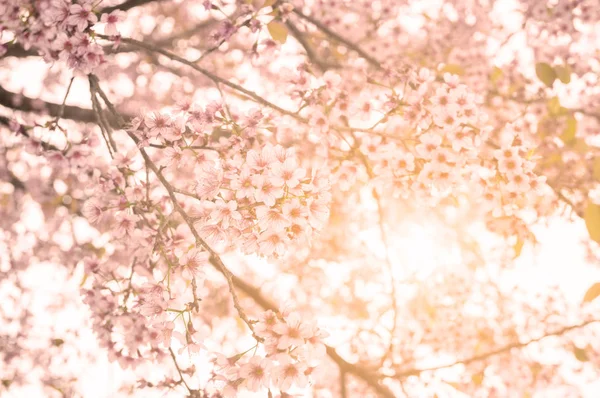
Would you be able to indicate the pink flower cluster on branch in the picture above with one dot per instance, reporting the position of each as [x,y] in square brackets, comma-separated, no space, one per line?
[249,196]
[61,30]
[292,350]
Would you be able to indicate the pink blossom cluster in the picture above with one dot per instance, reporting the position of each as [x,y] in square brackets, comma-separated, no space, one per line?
[125,335]
[58,29]
[448,152]
[293,348]
[257,198]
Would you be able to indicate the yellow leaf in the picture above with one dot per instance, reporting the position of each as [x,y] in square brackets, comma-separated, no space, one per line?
[580,354]
[453,69]
[592,293]
[597,168]
[496,74]
[571,129]
[530,154]
[268,3]
[554,106]
[592,220]
[456,386]
[551,159]
[518,247]
[545,73]
[580,146]
[563,73]
[278,31]
[477,378]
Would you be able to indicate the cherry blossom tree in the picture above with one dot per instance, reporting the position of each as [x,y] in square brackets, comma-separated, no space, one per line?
[221,190]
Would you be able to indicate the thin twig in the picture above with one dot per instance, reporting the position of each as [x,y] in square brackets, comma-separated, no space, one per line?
[322,27]
[62,106]
[497,351]
[310,52]
[182,380]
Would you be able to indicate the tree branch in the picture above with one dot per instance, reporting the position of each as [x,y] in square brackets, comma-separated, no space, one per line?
[322,27]
[23,103]
[26,104]
[233,281]
[498,351]
[210,75]
[310,52]
[181,379]
[127,5]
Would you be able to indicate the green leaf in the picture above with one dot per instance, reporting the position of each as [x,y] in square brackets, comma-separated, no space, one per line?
[580,354]
[592,293]
[545,73]
[563,73]
[568,136]
[592,220]
[278,31]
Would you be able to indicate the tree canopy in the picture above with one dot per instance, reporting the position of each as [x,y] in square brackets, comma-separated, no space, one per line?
[299,198]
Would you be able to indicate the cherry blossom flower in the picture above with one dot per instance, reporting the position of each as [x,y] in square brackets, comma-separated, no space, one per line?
[319,122]
[92,210]
[265,190]
[126,159]
[125,224]
[111,20]
[193,262]
[318,212]
[165,331]
[292,332]
[171,155]
[243,184]
[295,212]
[256,373]
[209,181]
[287,173]
[266,322]
[225,213]
[59,11]
[81,15]
[429,143]
[260,160]
[271,219]
[272,242]
[289,373]
[152,306]
[231,387]
[158,124]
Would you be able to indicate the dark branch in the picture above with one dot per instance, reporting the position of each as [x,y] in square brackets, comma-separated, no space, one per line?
[16,50]
[26,104]
[323,28]
[210,75]
[310,51]
[128,5]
